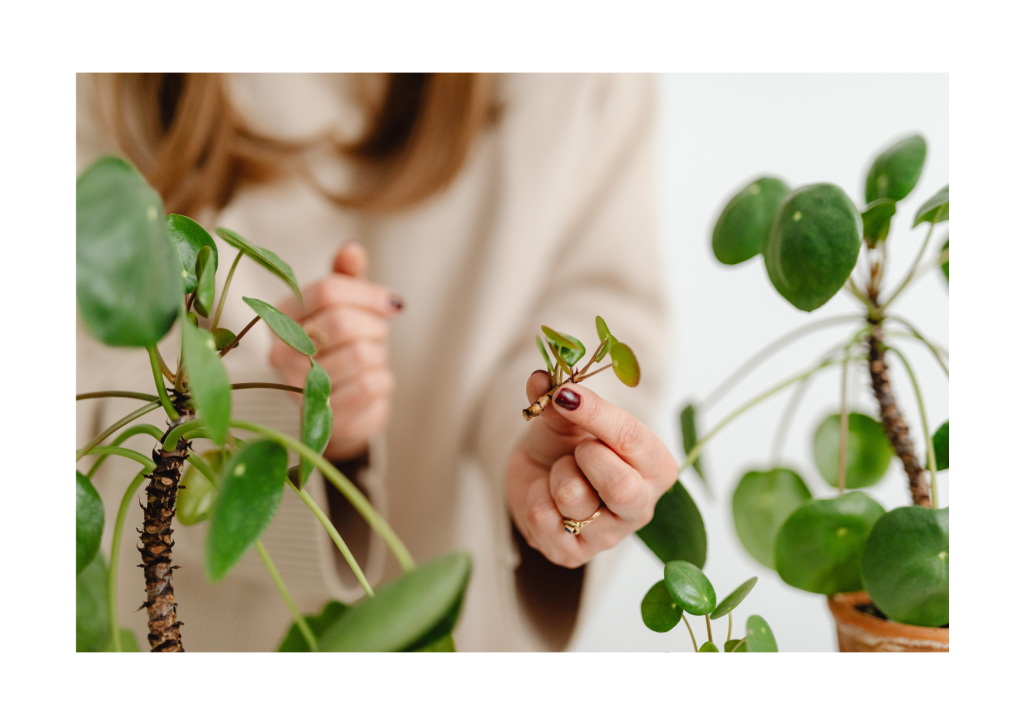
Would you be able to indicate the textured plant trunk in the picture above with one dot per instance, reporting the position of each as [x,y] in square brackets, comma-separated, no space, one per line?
[892,419]
[161,494]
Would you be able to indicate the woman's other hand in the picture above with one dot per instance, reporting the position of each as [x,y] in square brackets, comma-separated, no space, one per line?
[580,455]
[346,317]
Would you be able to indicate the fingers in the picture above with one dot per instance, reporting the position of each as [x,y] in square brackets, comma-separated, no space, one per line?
[341,290]
[344,326]
[626,494]
[351,259]
[550,436]
[634,443]
[570,490]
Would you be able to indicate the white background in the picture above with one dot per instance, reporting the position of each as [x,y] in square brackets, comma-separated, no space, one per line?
[717,133]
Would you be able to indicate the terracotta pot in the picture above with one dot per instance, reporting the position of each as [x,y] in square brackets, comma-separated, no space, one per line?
[862,633]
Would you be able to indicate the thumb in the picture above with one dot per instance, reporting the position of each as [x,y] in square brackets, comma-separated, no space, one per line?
[351,260]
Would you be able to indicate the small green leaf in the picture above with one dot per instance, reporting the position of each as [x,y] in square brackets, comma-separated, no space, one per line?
[404,610]
[733,599]
[197,494]
[945,265]
[868,451]
[559,360]
[894,172]
[735,646]
[813,244]
[543,352]
[602,351]
[92,610]
[760,638]
[208,382]
[206,288]
[566,346]
[294,642]
[689,587]
[763,500]
[317,415]
[602,330]
[249,493]
[88,522]
[625,365]
[193,318]
[906,565]
[935,210]
[445,644]
[262,256]
[222,338]
[876,217]
[941,443]
[740,230]
[658,610]
[128,280]
[676,532]
[708,647]
[688,427]
[819,547]
[188,237]
[284,327]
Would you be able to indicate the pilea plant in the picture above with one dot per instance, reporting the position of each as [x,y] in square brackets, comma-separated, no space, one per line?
[138,274]
[815,242]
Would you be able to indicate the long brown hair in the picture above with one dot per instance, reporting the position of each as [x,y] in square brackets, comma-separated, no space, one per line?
[183,134]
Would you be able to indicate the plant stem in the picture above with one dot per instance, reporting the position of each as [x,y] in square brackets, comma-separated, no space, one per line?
[767,351]
[929,445]
[578,379]
[342,484]
[275,386]
[238,337]
[933,347]
[165,400]
[336,536]
[164,368]
[695,648]
[728,635]
[127,453]
[224,292]
[124,436]
[844,425]
[171,440]
[138,413]
[115,552]
[695,452]
[707,619]
[304,628]
[851,287]
[910,273]
[736,647]
[116,394]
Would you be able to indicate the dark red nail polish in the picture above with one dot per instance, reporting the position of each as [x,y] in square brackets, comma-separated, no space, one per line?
[569,400]
[396,302]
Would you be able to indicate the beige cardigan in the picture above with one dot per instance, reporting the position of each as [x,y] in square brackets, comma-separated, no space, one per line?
[552,220]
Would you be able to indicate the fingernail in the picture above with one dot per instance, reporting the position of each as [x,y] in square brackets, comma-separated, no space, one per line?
[396,303]
[569,400]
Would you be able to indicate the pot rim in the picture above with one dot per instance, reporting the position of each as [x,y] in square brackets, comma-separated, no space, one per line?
[843,607]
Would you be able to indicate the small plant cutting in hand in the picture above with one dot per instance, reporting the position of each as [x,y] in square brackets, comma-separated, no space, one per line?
[138,274]
[880,569]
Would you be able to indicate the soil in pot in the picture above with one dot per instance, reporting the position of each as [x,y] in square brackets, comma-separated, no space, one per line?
[859,631]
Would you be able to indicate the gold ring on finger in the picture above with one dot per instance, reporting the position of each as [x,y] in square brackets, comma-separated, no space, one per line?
[575,526]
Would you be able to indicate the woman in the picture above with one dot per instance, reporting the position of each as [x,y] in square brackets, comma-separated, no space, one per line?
[483,207]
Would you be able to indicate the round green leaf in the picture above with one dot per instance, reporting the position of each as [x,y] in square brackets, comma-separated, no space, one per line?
[735,646]
[935,210]
[676,532]
[812,245]
[544,352]
[760,638]
[659,610]
[740,230]
[708,647]
[868,451]
[222,338]
[688,427]
[941,443]
[895,171]
[906,565]
[733,599]
[763,500]
[262,256]
[688,586]
[818,549]
[284,327]
[206,287]
[566,346]
[625,365]
[197,494]
[92,608]
[189,237]
[876,218]
[294,642]
[317,416]
[128,280]
[945,265]
[249,493]
[208,384]
[405,611]
[602,330]
[88,521]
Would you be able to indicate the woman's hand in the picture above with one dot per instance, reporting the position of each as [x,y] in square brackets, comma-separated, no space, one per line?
[346,317]
[580,455]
